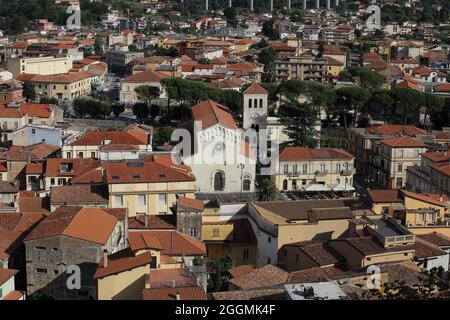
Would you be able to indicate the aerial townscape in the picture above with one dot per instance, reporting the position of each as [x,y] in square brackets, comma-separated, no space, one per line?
[224,149]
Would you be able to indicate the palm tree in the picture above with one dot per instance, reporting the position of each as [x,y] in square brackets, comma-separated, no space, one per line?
[267,190]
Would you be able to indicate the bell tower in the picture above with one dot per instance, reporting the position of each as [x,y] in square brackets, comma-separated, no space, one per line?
[256,101]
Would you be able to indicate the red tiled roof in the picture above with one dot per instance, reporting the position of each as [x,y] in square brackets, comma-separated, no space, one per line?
[444,87]
[173,243]
[255,88]
[90,224]
[303,153]
[13,295]
[70,77]
[10,112]
[392,129]
[38,151]
[240,270]
[424,198]
[190,203]
[210,113]
[34,168]
[146,76]
[79,166]
[120,264]
[385,195]
[143,172]
[186,293]
[403,142]
[96,138]
[268,275]
[37,110]
[6,274]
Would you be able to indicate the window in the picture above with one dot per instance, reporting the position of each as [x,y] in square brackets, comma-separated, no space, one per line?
[246,254]
[400,153]
[294,184]
[69,154]
[285,184]
[40,248]
[431,217]
[421,216]
[55,272]
[269,261]
[399,182]
[297,258]
[294,169]
[41,270]
[33,131]
[269,239]
[286,169]
[260,103]
[93,155]
[400,168]
[193,232]
[322,168]
[338,168]
[246,182]
[416,153]
[80,155]
[216,232]
[162,199]
[118,201]
[141,200]
[52,181]
[256,103]
[305,169]
[250,103]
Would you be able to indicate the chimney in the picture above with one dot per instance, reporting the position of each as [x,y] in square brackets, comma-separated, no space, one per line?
[105,258]
[178,295]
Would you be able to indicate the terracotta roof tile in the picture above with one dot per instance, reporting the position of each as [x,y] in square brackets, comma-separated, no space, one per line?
[13,295]
[392,129]
[56,167]
[302,153]
[186,293]
[96,138]
[34,152]
[146,76]
[184,203]
[266,276]
[166,221]
[438,239]
[385,195]
[37,110]
[79,194]
[403,142]
[255,88]
[121,264]
[240,270]
[6,274]
[210,113]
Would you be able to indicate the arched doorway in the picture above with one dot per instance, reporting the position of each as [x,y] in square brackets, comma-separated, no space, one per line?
[285,184]
[246,182]
[219,181]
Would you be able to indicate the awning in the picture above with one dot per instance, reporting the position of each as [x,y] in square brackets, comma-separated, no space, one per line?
[342,187]
[316,187]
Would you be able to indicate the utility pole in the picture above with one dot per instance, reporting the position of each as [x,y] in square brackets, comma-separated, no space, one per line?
[271,5]
[304,4]
[206,5]
[328,4]
[318,4]
[289,4]
[230,3]
[251,5]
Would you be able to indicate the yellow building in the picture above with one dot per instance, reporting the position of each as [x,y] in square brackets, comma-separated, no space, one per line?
[147,187]
[300,168]
[155,260]
[50,65]
[67,86]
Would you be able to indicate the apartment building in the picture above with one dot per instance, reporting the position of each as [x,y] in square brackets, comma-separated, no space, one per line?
[300,168]
[300,68]
[150,78]
[360,141]
[67,86]
[391,157]
[109,145]
[10,91]
[440,178]
[148,187]
[49,65]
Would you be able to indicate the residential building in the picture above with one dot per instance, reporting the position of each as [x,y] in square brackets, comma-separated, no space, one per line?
[10,91]
[111,145]
[391,157]
[7,285]
[278,223]
[148,187]
[300,168]
[149,78]
[32,134]
[79,195]
[189,214]
[303,68]
[67,237]
[50,65]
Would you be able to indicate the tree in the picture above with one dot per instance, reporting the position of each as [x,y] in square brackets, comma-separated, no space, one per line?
[367,78]
[432,104]
[47,100]
[230,14]
[267,190]
[140,110]
[270,31]
[300,120]
[28,91]
[218,272]
[380,104]
[349,101]
[147,93]
[407,103]
[98,46]
[117,109]
[268,57]
[162,135]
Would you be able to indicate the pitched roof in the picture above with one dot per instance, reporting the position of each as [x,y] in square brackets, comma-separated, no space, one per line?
[139,172]
[186,204]
[186,293]
[269,275]
[240,270]
[319,252]
[210,113]
[402,142]
[438,239]
[425,249]
[424,198]
[146,76]
[10,112]
[90,224]
[37,110]
[154,221]
[6,274]
[302,153]
[34,152]
[385,195]
[122,263]
[443,168]
[371,246]
[393,129]
[53,166]
[67,78]
[79,194]
[173,243]
[96,138]
[255,88]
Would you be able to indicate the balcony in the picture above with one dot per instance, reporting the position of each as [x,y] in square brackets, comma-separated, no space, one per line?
[347,172]
[321,173]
